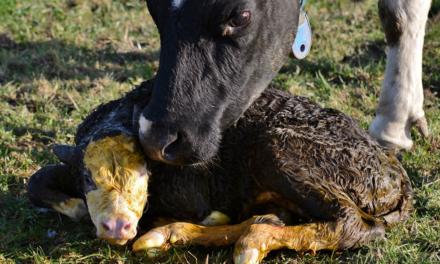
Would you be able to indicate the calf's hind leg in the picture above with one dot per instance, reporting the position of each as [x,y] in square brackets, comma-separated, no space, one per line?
[53,187]
[401,100]
[348,232]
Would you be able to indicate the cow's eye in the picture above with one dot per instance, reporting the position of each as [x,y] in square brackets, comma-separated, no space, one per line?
[241,19]
[237,23]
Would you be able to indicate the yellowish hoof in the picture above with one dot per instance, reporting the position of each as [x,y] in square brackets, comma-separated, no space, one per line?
[148,241]
[248,256]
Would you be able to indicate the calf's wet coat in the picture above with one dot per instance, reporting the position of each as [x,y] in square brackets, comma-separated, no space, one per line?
[314,168]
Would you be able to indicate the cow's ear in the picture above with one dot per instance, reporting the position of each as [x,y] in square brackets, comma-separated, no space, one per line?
[69,155]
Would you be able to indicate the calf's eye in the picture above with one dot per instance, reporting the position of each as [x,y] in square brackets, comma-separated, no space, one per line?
[89,181]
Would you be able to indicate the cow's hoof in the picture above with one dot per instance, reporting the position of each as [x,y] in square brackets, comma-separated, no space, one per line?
[421,125]
[396,135]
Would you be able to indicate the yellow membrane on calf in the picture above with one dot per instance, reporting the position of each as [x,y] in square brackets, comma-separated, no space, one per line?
[149,240]
[118,169]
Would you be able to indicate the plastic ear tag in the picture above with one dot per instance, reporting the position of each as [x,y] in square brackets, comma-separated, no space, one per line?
[303,40]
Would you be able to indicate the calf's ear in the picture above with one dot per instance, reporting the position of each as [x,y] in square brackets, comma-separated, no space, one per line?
[69,155]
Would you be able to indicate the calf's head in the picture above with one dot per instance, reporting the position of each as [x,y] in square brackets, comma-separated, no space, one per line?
[114,181]
[217,56]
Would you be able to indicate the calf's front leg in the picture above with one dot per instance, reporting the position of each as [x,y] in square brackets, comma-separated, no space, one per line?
[160,239]
[401,100]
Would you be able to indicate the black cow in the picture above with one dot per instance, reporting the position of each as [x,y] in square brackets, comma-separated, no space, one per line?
[217,56]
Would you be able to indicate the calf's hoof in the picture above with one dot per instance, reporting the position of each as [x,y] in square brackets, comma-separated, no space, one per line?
[254,245]
[161,239]
[248,256]
[216,218]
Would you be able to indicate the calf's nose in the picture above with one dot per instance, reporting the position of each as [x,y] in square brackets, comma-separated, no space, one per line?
[117,229]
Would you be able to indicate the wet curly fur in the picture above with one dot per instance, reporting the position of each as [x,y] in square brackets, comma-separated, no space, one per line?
[314,167]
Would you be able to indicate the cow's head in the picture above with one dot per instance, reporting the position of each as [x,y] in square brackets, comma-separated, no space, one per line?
[114,180]
[217,56]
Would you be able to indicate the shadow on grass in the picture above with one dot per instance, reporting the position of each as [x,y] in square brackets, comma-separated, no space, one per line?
[48,233]
[32,235]
[371,52]
[365,56]
[55,59]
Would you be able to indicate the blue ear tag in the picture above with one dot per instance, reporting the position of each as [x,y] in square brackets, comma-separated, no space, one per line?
[303,40]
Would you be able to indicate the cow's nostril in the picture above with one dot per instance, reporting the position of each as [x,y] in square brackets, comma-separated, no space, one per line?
[162,142]
[127,227]
[169,151]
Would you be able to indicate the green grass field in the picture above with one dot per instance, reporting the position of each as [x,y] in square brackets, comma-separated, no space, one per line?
[61,58]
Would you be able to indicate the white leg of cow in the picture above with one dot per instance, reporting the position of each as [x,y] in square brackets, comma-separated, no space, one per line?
[401,100]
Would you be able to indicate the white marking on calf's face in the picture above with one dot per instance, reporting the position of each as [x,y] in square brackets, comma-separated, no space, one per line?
[118,170]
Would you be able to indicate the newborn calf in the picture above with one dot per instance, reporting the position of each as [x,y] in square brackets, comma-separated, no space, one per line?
[314,168]
[104,174]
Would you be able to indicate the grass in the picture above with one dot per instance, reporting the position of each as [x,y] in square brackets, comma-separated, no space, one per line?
[61,58]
